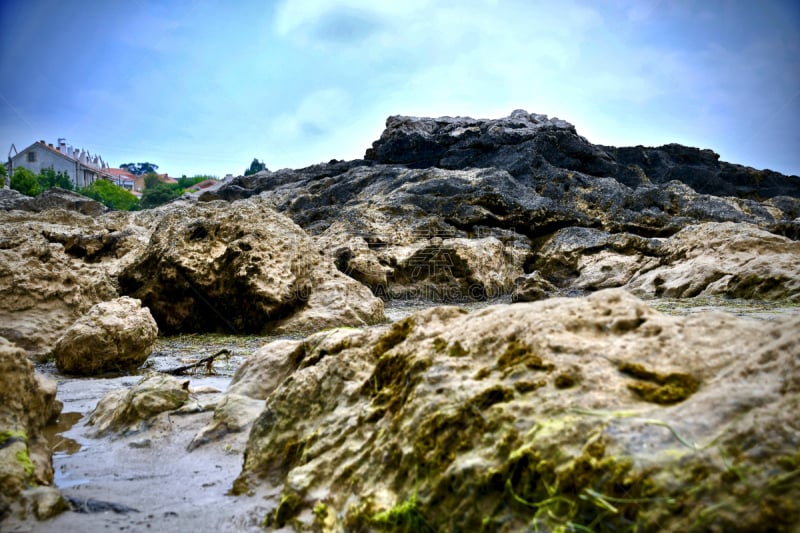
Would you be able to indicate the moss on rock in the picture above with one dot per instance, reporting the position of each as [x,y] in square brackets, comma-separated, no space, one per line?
[396,434]
[660,388]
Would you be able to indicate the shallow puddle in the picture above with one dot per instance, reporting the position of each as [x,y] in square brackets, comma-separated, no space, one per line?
[54,434]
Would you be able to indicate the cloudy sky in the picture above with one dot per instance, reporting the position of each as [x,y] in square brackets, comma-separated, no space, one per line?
[204,87]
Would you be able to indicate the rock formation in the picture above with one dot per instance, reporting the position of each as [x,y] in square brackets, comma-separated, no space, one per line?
[592,412]
[595,412]
[55,198]
[459,208]
[113,336]
[56,264]
[27,403]
[53,269]
[722,259]
[527,144]
[245,269]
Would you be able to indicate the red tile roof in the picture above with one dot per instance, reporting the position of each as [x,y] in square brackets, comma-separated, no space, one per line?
[120,173]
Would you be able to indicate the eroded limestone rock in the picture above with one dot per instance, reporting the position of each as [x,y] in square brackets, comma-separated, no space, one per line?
[113,336]
[130,410]
[55,265]
[27,404]
[594,411]
[263,372]
[468,234]
[735,260]
[241,268]
[712,259]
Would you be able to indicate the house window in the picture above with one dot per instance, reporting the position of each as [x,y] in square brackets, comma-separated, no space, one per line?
[31,157]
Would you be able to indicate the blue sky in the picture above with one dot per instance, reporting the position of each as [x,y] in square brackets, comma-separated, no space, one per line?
[204,87]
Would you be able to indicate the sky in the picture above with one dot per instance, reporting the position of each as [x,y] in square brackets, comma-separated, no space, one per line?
[203,87]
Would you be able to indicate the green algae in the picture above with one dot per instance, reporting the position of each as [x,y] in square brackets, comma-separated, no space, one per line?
[24,459]
[567,380]
[397,333]
[392,381]
[287,509]
[519,353]
[7,437]
[456,350]
[22,455]
[660,388]
[439,344]
[405,516]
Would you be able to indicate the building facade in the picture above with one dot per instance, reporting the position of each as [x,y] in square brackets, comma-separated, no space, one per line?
[123,178]
[82,168]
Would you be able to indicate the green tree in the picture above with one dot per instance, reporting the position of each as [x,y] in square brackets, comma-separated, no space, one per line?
[24,181]
[140,168]
[110,195]
[255,166]
[158,194]
[3,175]
[151,180]
[49,178]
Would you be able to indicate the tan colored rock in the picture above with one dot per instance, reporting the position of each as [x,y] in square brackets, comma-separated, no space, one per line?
[113,336]
[55,265]
[27,404]
[597,412]
[241,268]
[735,260]
[532,288]
[263,372]
[730,259]
[46,502]
[128,411]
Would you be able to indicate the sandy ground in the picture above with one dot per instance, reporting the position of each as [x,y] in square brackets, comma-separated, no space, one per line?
[170,488]
[174,490]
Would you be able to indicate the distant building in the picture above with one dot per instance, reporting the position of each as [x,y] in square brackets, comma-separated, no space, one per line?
[207,184]
[123,178]
[82,168]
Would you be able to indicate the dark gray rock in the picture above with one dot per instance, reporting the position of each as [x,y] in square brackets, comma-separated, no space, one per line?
[532,146]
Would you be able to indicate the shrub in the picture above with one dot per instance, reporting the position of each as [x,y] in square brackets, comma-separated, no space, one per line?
[110,195]
[25,181]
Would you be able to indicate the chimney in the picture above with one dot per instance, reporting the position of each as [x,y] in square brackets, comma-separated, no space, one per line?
[62,144]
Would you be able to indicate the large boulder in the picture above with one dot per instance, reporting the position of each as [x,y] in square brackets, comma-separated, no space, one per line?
[55,265]
[27,403]
[241,268]
[117,335]
[263,372]
[733,260]
[583,413]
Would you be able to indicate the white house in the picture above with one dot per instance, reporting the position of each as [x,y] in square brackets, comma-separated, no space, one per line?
[122,178]
[81,167]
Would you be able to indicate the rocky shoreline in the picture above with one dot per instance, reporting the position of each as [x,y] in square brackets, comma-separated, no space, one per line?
[576,406]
